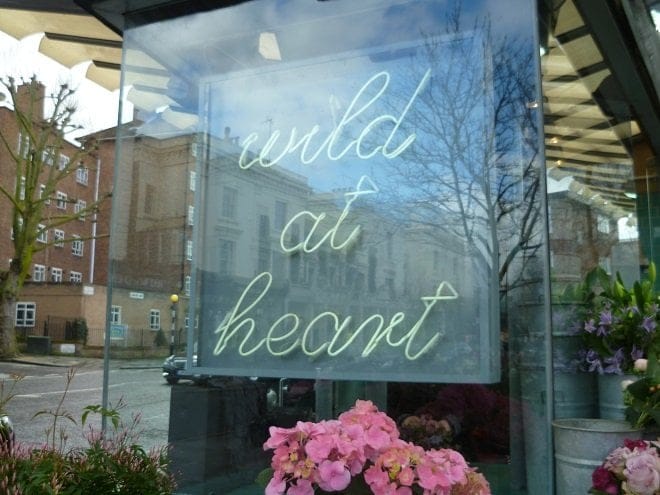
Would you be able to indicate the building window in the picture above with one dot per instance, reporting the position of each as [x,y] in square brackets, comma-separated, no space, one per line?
[79,209]
[59,238]
[61,200]
[23,144]
[115,315]
[75,277]
[189,250]
[21,191]
[603,224]
[186,285]
[226,258]
[42,192]
[229,195]
[42,234]
[280,215]
[48,156]
[77,246]
[26,313]
[191,215]
[192,177]
[64,162]
[82,175]
[20,226]
[154,319]
[39,273]
[56,274]
[149,198]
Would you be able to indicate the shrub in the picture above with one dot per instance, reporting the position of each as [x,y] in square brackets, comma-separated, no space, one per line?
[112,462]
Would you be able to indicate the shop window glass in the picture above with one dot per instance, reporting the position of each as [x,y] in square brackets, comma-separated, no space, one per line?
[371,219]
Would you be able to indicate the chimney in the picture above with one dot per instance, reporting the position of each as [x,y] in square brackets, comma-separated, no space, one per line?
[30,97]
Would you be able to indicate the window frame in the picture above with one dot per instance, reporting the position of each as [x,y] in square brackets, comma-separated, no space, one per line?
[154,319]
[28,308]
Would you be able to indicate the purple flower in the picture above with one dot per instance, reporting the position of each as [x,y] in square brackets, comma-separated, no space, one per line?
[593,361]
[636,353]
[606,317]
[649,324]
[590,326]
[612,364]
[602,331]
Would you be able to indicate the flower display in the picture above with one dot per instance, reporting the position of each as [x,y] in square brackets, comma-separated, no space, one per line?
[361,452]
[633,469]
[621,323]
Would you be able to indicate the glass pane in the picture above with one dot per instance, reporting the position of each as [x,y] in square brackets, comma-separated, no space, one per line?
[366,223]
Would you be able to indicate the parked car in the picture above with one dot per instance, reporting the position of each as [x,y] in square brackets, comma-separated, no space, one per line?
[174,365]
[283,392]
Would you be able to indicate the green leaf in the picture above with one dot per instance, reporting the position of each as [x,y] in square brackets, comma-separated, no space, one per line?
[264,477]
[652,273]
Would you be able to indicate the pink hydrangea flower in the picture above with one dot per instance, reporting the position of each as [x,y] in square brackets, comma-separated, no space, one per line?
[642,472]
[333,476]
[365,442]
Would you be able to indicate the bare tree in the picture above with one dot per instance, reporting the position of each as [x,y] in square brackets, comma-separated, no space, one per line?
[40,166]
[473,170]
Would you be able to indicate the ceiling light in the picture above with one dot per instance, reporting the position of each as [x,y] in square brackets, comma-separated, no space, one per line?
[268,46]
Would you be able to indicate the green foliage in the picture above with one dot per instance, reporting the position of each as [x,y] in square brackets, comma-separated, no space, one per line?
[160,339]
[621,322]
[79,327]
[112,463]
[643,396]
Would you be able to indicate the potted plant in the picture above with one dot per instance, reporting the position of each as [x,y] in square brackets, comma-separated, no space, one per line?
[620,327]
[361,453]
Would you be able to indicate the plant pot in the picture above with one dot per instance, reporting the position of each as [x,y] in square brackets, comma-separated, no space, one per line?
[581,445]
[610,396]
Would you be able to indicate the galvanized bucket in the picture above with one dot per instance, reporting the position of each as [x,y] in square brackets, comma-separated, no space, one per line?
[610,395]
[581,445]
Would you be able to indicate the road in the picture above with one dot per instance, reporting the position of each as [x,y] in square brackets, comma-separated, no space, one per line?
[139,386]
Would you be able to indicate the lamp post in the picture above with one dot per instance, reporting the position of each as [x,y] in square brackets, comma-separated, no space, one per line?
[174,298]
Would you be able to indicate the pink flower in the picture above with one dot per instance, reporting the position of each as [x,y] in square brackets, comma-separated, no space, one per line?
[302,487]
[278,436]
[333,476]
[276,485]
[605,481]
[643,472]
[327,454]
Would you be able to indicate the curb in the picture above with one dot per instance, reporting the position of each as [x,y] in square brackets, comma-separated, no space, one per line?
[70,364]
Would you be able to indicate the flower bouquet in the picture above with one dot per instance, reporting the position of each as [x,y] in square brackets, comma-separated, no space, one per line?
[621,323]
[361,453]
[633,469]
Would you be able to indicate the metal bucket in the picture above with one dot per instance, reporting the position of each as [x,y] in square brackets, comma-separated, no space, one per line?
[581,445]
[610,396]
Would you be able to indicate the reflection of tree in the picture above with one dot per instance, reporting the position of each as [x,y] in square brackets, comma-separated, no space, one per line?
[472,170]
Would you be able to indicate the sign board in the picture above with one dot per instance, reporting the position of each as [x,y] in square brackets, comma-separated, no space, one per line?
[118,332]
[338,238]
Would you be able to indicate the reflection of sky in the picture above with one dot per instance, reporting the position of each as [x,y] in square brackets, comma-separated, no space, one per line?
[376,86]
[309,95]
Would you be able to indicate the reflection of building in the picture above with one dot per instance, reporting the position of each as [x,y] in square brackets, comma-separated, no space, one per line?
[68,272]
[581,237]
[153,237]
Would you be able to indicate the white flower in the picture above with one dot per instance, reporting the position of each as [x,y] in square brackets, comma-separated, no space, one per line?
[625,383]
[641,364]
